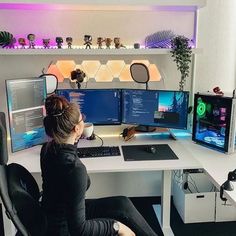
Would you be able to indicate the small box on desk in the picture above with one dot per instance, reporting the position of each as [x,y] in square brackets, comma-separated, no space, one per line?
[224,212]
[194,207]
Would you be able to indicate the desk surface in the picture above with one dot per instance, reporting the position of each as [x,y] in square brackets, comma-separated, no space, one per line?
[30,158]
[191,156]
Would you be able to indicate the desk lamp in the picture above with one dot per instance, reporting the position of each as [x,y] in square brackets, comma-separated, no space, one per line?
[227,185]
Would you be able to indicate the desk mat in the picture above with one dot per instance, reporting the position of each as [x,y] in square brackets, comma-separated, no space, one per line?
[141,153]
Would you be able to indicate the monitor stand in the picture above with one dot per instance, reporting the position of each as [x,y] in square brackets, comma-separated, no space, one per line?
[145,128]
[167,130]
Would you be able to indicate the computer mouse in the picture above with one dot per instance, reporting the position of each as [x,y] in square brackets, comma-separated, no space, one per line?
[151,149]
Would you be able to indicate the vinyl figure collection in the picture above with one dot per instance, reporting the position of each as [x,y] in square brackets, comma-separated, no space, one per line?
[7,40]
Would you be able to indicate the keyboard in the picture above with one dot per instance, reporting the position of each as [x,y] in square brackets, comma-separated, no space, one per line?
[104,151]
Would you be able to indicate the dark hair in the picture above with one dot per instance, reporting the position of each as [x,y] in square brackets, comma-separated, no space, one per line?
[62,117]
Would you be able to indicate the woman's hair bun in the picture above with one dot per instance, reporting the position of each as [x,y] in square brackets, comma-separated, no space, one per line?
[55,105]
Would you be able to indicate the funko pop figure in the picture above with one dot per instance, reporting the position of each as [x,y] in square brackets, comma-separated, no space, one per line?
[87,41]
[108,42]
[31,38]
[69,42]
[59,41]
[22,42]
[46,43]
[100,40]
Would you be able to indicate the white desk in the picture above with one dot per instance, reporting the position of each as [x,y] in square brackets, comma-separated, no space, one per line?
[30,159]
[215,164]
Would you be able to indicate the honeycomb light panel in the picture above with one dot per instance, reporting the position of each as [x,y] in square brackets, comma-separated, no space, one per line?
[125,75]
[65,67]
[91,68]
[116,66]
[104,74]
[154,73]
[53,69]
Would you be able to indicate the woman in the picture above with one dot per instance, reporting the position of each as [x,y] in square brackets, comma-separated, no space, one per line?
[65,182]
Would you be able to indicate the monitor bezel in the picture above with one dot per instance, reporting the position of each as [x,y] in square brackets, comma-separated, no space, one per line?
[101,89]
[150,125]
[7,81]
[227,130]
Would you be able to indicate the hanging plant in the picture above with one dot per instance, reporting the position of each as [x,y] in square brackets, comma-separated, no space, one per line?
[182,54]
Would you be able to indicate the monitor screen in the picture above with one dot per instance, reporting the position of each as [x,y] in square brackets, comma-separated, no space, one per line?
[100,106]
[160,108]
[211,120]
[25,99]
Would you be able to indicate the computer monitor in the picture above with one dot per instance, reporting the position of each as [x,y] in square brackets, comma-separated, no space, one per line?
[25,100]
[159,108]
[214,122]
[100,106]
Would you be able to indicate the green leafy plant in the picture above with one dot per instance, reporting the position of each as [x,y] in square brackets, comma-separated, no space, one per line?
[182,54]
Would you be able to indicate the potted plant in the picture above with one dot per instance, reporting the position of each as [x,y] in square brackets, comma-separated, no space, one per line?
[182,53]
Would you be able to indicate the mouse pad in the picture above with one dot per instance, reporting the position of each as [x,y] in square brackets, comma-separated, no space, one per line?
[141,153]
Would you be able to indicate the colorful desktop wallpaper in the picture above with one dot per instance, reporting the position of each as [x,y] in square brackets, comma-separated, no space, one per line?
[172,109]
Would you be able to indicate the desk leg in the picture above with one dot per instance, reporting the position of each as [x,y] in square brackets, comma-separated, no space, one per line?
[163,211]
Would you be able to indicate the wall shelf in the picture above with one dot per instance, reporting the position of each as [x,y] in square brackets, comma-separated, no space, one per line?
[87,52]
[103,4]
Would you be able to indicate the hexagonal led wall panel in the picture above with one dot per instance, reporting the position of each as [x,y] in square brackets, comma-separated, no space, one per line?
[65,67]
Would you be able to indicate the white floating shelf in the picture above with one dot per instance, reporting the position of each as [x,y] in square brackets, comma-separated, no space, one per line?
[103,4]
[87,52]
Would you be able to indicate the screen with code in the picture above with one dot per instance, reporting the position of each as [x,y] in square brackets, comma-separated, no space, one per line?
[25,99]
[100,106]
[160,108]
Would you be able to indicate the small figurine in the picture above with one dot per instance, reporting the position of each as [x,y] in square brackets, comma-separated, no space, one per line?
[59,41]
[108,42]
[79,76]
[218,91]
[69,41]
[46,43]
[22,42]
[88,41]
[31,38]
[117,43]
[100,40]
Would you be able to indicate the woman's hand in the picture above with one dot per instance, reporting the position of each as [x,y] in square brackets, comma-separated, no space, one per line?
[125,231]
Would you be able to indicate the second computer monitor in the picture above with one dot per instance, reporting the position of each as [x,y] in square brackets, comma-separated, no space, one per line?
[160,108]
[101,106]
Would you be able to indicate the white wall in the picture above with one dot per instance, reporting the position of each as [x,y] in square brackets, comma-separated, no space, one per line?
[217,36]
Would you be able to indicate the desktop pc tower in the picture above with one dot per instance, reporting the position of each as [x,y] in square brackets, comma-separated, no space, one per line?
[214,122]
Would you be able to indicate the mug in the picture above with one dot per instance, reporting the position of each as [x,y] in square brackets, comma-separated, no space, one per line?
[88,130]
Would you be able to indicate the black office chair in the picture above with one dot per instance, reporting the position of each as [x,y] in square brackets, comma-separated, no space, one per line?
[20,193]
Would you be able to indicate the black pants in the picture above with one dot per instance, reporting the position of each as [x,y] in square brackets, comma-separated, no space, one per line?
[120,209]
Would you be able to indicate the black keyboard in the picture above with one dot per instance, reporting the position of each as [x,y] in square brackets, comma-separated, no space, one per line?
[104,151]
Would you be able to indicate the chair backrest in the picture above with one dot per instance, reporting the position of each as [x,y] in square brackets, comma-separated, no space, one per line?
[24,194]
[19,192]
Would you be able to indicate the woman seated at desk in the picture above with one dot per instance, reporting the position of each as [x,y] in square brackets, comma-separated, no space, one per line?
[65,181]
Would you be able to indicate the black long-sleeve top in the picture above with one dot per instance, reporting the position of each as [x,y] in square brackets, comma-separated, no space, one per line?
[65,181]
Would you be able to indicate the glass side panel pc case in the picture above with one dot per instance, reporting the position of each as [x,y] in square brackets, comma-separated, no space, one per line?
[214,122]
[100,106]
[25,99]
[160,108]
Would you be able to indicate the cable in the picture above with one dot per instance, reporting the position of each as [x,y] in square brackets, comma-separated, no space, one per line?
[100,139]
